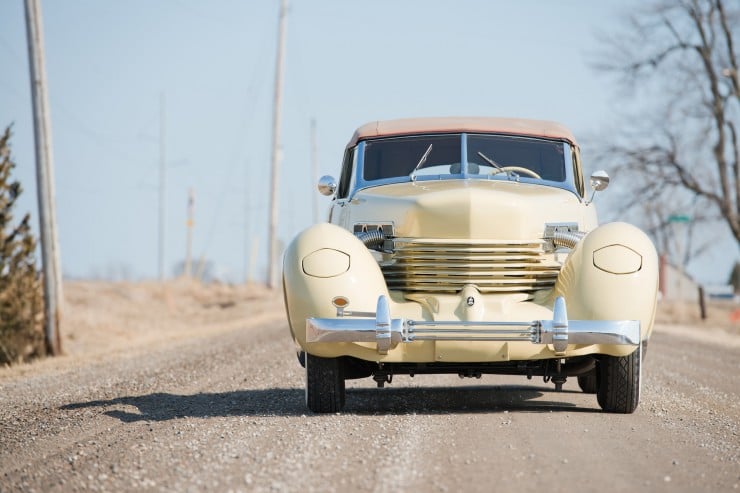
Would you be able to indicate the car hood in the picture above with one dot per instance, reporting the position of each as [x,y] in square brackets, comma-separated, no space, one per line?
[469,209]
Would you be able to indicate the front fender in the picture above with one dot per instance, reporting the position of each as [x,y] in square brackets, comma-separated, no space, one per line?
[321,263]
[612,274]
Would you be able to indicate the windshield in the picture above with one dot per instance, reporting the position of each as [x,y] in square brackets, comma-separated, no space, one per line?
[488,156]
[536,158]
[389,158]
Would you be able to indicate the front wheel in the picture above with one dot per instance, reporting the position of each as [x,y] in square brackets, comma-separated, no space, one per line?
[619,382]
[324,384]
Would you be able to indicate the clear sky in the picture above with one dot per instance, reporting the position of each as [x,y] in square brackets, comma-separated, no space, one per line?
[347,62]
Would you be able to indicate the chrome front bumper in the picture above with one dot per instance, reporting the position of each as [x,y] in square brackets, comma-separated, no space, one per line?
[388,332]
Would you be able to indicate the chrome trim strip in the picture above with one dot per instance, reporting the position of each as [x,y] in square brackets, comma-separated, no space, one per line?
[388,332]
[452,323]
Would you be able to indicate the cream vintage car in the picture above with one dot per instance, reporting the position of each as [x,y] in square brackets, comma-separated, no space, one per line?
[469,246]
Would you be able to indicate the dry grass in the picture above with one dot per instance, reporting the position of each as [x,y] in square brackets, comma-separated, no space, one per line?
[102,316]
[720,314]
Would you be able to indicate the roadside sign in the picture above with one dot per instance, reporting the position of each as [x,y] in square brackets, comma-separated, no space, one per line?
[679,218]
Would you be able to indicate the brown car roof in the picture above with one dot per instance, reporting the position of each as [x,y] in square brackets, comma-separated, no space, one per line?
[515,126]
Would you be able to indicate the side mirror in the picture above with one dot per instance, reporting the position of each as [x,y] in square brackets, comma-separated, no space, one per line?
[599,181]
[327,185]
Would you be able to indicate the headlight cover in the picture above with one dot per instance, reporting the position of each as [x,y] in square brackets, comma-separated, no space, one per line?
[617,259]
[325,262]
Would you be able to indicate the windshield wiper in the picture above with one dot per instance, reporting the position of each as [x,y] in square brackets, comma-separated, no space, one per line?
[421,162]
[509,174]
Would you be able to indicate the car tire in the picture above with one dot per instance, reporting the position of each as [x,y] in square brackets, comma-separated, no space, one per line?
[589,382]
[619,382]
[324,384]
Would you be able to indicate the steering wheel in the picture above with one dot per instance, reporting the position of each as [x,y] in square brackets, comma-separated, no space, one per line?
[516,169]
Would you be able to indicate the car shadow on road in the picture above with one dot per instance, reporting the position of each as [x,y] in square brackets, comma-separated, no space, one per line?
[469,399]
[162,406]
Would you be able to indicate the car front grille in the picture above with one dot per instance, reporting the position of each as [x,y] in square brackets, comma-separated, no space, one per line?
[446,266]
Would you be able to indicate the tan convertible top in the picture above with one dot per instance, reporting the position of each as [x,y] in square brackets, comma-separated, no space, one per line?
[515,126]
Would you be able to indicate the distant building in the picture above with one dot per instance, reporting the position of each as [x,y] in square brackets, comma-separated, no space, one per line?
[675,285]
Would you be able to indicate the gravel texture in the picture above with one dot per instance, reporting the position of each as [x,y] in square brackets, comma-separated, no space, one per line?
[222,409]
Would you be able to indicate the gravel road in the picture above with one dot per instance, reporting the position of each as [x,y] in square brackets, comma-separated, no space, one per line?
[224,411]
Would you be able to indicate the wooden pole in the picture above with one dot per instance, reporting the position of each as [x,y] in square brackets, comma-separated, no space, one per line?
[276,151]
[50,256]
[314,172]
[702,304]
[253,259]
[162,189]
[248,228]
[189,245]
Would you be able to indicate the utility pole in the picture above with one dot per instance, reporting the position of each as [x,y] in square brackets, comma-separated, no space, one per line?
[254,252]
[162,187]
[276,150]
[248,229]
[314,171]
[50,257]
[189,246]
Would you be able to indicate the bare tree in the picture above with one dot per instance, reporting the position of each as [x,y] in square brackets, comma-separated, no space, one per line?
[678,61]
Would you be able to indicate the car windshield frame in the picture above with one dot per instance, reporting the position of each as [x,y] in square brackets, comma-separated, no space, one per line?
[420,152]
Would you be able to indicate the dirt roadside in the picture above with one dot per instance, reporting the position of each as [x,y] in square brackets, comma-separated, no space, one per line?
[105,319]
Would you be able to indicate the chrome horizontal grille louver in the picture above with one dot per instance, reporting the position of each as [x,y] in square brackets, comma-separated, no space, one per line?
[432,265]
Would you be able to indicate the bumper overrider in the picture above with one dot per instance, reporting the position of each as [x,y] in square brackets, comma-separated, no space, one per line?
[388,332]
